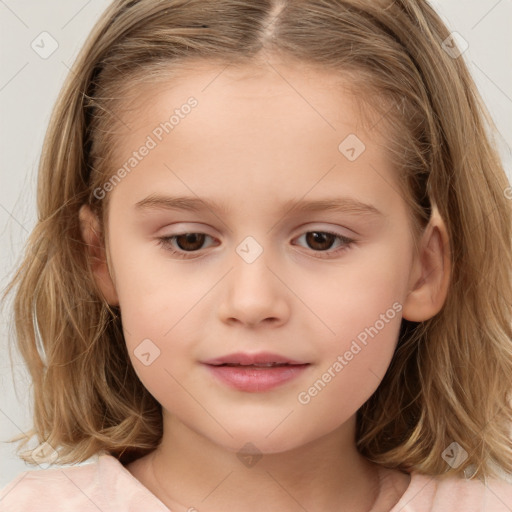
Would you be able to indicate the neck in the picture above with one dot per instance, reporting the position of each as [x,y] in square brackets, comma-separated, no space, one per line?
[188,471]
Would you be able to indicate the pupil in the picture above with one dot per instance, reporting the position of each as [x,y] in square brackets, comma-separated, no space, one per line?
[316,237]
[317,240]
[190,239]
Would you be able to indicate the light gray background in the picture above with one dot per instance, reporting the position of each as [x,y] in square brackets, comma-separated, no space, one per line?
[29,86]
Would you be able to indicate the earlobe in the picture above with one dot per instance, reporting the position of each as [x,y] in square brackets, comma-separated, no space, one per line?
[431,271]
[91,229]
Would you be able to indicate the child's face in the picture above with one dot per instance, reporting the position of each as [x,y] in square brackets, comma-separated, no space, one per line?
[252,144]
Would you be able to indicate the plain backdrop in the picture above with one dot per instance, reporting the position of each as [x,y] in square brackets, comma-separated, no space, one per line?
[29,86]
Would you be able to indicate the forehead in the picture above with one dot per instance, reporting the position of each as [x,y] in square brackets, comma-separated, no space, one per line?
[264,79]
[254,107]
[272,130]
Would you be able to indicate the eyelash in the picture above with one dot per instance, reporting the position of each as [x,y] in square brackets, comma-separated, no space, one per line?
[165,242]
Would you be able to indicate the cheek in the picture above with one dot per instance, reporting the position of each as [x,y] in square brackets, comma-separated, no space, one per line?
[158,332]
[159,346]
[156,293]
[356,338]
[162,317]
[367,291]
[352,370]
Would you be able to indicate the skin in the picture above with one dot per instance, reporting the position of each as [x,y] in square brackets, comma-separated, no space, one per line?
[252,143]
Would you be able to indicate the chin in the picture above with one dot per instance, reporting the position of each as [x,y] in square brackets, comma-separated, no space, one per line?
[259,442]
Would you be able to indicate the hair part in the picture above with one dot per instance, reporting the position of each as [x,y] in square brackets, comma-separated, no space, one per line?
[449,379]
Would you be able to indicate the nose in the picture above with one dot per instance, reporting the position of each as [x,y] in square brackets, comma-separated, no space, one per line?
[253,295]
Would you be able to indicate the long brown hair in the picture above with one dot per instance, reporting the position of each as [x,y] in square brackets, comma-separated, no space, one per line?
[450,378]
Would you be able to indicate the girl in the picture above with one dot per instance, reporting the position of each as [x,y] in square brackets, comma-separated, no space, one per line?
[341,337]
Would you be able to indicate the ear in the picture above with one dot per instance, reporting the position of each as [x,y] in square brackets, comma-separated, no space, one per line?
[90,228]
[430,274]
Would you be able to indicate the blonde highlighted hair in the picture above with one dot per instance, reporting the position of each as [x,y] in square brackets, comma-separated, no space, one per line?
[450,377]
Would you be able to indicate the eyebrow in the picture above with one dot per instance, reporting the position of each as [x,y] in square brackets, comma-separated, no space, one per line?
[195,204]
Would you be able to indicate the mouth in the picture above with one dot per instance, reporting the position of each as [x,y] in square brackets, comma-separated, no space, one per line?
[258,360]
[255,372]
[257,365]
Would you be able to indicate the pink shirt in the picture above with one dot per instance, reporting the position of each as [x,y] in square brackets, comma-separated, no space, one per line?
[107,486]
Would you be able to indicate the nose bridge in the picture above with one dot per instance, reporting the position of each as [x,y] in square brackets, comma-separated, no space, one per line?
[254,293]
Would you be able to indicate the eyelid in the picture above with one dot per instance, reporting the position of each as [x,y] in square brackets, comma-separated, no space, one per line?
[301,229]
[346,243]
[166,243]
[325,228]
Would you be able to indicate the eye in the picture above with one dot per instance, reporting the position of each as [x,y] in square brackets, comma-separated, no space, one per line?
[321,241]
[186,242]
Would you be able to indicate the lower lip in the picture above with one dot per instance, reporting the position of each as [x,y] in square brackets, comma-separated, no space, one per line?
[251,379]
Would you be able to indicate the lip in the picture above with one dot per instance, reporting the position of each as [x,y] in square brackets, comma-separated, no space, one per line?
[244,358]
[250,378]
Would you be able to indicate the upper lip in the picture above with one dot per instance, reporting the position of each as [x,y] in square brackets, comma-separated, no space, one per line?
[246,359]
